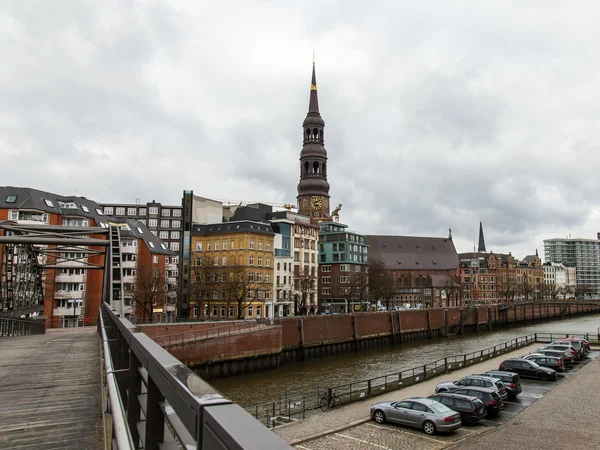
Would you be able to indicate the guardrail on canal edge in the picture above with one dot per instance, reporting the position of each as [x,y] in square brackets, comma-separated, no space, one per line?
[300,404]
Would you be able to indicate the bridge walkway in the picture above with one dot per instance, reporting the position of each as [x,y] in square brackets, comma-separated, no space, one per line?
[50,391]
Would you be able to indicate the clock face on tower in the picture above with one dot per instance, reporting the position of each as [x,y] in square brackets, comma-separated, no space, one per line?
[316,203]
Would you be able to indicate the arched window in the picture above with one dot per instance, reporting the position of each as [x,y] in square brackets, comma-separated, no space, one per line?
[321,135]
[278,266]
[323,170]
[307,134]
[315,134]
[315,167]
[306,167]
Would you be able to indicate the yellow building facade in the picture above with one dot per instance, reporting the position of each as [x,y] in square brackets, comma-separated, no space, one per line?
[231,269]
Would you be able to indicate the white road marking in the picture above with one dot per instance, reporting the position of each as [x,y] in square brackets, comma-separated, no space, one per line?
[362,441]
[508,412]
[397,430]
[532,395]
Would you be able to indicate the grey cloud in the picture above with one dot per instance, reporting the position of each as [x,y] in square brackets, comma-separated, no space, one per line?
[435,115]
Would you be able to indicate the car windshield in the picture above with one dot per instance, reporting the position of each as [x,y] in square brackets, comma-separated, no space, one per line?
[439,408]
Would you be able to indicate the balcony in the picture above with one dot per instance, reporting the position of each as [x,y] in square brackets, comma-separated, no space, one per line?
[63,278]
[170,266]
[60,295]
[129,249]
[129,264]
[129,279]
[64,311]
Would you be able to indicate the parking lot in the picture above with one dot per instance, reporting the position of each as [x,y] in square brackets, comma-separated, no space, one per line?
[370,435]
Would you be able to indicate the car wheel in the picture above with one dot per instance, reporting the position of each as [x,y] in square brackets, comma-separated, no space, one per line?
[429,427]
[379,416]
[544,376]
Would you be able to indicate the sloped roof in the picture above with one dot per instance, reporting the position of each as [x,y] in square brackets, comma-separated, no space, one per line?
[413,252]
[33,199]
[140,231]
[28,198]
[529,259]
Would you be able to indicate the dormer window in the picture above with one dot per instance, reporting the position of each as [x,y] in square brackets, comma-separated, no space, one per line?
[85,208]
[11,199]
[99,212]
[49,203]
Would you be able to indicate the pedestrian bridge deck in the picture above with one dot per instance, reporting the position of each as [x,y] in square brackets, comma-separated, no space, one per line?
[50,392]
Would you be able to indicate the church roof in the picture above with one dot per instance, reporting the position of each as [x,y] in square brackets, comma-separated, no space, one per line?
[413,252]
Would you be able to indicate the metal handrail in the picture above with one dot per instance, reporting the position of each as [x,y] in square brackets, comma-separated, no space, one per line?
[119,427]
[151,388]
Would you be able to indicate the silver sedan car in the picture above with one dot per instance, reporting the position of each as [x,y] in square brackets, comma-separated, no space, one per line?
[429,415]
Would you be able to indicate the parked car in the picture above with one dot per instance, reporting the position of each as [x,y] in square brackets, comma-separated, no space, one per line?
[473,380]
[471,409]
[527,369]
[490,398]
[565,356]
[576,343]
[511,381]
[566,347]
[546,361]
[429,415]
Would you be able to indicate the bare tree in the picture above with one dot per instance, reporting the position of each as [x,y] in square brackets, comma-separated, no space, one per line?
[360,284]
[506,286]
[203,282]
[149,288]
[304,283]
[454,290]
[525,289]
[241,287]
[381,283]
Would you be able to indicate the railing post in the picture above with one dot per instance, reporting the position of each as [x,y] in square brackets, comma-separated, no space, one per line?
[133,407]
[155,421]
[369,387]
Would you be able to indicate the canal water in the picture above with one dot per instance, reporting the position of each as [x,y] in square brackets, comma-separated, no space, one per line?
[306,376]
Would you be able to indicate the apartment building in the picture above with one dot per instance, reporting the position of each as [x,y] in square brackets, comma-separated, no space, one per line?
[343,269]
[164,221]
[584,256]
[561,279]
[282,303]
[73,286]
[231,275]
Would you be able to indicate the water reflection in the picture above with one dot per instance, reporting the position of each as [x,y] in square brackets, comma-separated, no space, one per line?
[306,376]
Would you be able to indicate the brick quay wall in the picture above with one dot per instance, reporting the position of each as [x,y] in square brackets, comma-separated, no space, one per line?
[299,338]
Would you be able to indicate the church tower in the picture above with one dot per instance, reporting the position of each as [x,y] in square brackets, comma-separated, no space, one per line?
[313,189]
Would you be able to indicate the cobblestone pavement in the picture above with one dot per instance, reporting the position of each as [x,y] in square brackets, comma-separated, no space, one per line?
[372,436]
[566,418]
[353,414]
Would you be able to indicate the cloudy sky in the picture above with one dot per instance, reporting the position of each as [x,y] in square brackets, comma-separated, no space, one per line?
[437,113]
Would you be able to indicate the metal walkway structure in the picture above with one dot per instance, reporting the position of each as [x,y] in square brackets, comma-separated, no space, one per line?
[28,250]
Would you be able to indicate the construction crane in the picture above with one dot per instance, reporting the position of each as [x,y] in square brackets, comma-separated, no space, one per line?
[288,206]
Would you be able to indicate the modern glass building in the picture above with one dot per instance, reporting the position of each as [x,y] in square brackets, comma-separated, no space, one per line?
[584,255]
